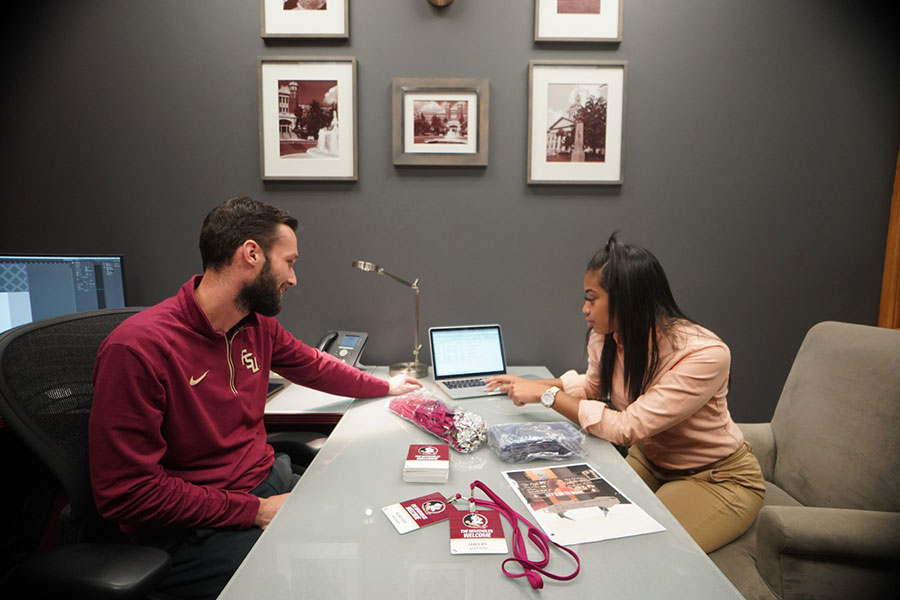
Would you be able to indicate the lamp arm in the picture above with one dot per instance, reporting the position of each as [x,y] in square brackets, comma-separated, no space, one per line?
[410,284]
[417,346]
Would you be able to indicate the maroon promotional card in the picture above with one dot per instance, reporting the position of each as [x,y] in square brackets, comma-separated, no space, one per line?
[427,463]
[416,513]
[477,533]
[427,453]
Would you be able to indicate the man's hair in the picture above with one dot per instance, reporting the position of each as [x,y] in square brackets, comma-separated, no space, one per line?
[229,225]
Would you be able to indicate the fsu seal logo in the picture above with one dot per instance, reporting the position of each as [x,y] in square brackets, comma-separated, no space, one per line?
[433,507]
[428,450]
[474,520]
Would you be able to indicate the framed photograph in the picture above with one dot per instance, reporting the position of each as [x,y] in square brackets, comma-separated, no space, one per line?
[440,121]
[304,19]
[578,20]
[307,118]
[576,112]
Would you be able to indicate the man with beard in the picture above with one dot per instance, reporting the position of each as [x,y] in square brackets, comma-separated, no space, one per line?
[178,452]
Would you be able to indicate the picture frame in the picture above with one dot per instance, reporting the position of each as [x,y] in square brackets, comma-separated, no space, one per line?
[304,19]
[578,20]
[433,121]
[576,116]
[308,118]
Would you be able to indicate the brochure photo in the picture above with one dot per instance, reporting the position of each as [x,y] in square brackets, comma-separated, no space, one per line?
[573,504]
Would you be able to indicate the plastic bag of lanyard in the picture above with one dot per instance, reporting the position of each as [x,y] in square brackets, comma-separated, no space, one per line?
[462,429]
[524,442]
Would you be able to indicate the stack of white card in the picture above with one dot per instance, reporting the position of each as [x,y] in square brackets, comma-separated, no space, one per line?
[427,463]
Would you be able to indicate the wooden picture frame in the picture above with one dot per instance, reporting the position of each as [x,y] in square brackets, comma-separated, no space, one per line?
[308,118]
[440,121]
[304,19]
[578,20]
[576,119]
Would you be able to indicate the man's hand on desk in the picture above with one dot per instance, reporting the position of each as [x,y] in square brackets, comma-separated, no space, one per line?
[402,383]
[267,509]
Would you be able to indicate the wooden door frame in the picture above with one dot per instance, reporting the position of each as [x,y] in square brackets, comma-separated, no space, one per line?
[889,313]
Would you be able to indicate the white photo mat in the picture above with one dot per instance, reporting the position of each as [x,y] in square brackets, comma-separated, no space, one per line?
[341,70]
[409,143]
[545,73]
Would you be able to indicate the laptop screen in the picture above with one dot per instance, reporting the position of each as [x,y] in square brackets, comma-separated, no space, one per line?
[472,350]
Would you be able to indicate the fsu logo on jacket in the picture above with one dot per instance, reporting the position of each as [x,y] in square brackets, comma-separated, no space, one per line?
[249,360]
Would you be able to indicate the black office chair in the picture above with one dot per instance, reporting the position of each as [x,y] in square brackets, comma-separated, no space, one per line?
[45,398]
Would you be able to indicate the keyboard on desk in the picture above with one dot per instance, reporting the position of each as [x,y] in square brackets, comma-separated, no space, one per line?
[457,384]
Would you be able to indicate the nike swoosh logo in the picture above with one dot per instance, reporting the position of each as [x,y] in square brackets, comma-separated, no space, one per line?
[198,379]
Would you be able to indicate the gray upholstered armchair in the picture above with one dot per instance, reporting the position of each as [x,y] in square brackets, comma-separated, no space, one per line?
[830,527]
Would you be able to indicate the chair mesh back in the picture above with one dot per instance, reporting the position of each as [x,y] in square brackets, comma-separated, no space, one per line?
[46,394]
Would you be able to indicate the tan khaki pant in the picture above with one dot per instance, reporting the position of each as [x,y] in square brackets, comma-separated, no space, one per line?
[715,503]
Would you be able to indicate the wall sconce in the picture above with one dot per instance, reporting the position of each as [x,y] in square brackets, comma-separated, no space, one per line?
[440,2]
[414,368]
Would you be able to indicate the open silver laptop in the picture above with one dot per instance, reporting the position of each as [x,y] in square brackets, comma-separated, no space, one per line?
[461,357]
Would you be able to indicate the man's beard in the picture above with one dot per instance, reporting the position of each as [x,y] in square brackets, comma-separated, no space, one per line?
[262,294]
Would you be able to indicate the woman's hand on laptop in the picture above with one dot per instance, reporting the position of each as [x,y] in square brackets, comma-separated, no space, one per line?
[521,391]
[402,383]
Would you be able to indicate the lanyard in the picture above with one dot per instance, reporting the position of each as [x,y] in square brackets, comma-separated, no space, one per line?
[531,569]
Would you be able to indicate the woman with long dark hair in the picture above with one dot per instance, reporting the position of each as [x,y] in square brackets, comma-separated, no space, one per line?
[656,382]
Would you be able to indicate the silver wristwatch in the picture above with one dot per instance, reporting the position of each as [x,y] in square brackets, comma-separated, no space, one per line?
[549,396]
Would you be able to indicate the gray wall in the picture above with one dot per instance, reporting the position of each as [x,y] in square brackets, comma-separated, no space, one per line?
[760,145]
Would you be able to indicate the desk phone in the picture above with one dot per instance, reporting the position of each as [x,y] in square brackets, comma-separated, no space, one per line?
[345,345]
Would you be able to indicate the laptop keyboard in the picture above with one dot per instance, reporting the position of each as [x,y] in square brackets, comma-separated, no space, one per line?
[457,384]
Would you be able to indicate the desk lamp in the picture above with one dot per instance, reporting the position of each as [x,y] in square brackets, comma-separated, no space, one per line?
[414,368]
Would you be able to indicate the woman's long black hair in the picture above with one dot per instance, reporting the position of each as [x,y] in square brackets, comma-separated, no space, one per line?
[640,301]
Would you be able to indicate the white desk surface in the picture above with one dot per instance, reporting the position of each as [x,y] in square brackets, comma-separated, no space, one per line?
[331,540]
[298,400]
[295,404]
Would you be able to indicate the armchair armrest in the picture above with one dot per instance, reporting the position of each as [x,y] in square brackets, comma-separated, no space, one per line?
[807,551]
[762,440]
[102,571]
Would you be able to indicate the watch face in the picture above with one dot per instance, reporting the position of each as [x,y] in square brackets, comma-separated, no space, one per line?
[547,398]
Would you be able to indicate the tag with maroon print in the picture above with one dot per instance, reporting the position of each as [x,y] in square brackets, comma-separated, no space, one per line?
[477,533]
[416,513]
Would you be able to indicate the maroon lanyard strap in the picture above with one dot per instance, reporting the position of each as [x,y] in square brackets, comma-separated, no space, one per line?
[531,569]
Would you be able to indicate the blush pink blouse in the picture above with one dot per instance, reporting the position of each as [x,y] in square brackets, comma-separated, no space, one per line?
[682,420]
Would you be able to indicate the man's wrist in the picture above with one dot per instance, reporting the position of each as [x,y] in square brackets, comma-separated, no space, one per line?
[258,514]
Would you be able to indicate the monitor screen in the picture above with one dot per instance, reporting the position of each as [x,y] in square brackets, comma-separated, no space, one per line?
[42,286]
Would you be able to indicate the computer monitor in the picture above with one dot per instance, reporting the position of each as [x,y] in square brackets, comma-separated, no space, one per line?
[34,287]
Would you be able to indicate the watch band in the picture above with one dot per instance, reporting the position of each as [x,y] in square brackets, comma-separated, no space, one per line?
[549,396]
